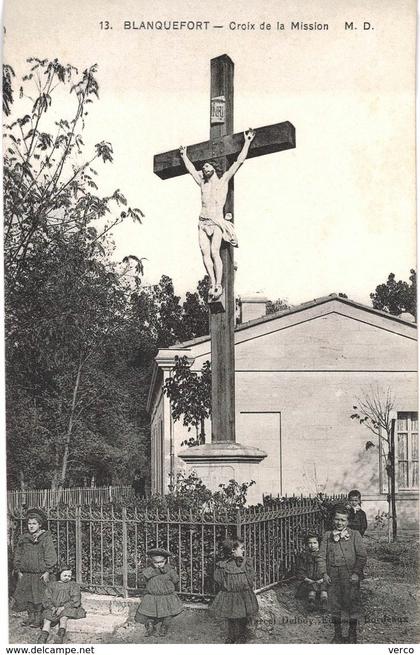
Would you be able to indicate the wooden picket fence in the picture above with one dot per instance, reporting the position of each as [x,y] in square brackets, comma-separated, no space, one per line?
[73,496]
[107,545]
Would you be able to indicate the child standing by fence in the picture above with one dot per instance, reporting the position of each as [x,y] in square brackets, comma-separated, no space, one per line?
[161,603]
[342,557]
[34,559]
[62,601]
[357,517]
[236,601]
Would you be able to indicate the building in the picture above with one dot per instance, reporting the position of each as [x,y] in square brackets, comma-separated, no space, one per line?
[299,373]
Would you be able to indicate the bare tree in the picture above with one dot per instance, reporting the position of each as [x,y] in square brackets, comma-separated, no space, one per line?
[374,410]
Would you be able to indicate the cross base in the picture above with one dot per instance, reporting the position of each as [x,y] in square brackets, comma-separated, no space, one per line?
[219,462]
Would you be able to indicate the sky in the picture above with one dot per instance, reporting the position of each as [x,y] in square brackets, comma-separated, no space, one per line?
[336,214]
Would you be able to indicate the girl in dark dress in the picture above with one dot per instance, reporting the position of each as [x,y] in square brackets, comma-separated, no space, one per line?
[62,601]
[34,559]
[236,601]
[160,604]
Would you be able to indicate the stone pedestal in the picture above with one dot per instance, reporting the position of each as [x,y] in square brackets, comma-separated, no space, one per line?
[218,462]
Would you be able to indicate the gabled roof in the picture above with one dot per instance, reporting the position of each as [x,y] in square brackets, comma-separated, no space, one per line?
[402,326]
[294,310]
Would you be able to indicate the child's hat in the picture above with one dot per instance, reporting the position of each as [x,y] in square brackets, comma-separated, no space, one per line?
[161,552]
[38,514]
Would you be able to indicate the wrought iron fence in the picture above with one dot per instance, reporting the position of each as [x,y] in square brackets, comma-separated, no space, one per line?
[106,545]
[71,496]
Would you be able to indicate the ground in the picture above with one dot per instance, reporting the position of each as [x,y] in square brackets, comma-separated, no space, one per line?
[389,598]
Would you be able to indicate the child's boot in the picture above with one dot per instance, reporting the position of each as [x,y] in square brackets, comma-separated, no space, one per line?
[241,631]
[164,626]
[30,618]
[60,635]
[338,635]
[324,601]
[352,638]
[231,635]
[149,628]
[36,617]
[311,604]
[43,637]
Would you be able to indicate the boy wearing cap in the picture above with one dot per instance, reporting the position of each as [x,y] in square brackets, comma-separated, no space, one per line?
[34,559]
[161,603]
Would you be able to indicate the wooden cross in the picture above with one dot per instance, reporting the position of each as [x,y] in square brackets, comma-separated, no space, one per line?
[224,146]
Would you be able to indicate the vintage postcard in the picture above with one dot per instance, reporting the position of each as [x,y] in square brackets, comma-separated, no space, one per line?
[210,323]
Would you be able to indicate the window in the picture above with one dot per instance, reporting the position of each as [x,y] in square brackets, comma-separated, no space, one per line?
[407,451]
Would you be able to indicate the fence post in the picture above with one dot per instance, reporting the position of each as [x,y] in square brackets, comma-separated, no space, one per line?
[124,552]
[238,525]
[78,517]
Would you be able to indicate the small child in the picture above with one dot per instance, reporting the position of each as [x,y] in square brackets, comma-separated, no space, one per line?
[236,601]
[307,568]
[342,557]
[161,603]
[62,601]
[35,559]
[357,517]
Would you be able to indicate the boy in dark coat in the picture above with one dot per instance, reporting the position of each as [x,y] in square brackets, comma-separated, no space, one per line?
[357,517]
[307,570]
[342,557]
[34,559]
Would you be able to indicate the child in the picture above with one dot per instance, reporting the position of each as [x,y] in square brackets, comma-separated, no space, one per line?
[357,517]
[160,604]
[236,600]
[307,568]
[34,559]
[62,601]
[342,557]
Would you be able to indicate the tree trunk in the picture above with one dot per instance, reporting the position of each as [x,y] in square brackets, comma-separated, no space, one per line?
[393,503]
[69,430]
[202,433]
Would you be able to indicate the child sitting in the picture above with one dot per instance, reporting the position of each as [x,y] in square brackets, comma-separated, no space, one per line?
[307,569]
[62,601]
[236,601]
[160,604]
[357,517]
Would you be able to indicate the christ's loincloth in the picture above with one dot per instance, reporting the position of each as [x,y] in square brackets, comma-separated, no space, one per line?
[208,226]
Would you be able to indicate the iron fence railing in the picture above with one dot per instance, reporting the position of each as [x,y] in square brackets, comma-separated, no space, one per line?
[106,545]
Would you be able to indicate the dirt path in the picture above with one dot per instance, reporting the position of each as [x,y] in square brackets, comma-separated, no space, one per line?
[390,616]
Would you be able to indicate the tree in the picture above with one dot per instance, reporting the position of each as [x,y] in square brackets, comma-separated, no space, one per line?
[278,305]
[374,410]
[66,301]
[396,297]
[190,396]
[8,74]
[47,181]
[195,311]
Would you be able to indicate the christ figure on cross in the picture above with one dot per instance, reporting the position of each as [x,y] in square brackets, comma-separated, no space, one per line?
[213,226]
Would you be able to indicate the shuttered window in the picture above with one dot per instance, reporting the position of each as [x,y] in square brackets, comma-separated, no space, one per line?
[407,450]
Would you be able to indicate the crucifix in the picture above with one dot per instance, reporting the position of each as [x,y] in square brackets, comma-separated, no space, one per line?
[224,147]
